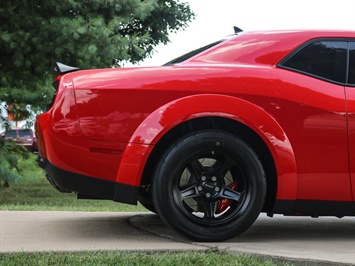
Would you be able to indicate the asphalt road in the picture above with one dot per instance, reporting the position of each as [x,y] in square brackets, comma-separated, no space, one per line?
[323,240]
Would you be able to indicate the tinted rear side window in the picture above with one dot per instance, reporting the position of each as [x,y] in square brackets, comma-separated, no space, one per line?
[191,54]
[323,59]
[352,63]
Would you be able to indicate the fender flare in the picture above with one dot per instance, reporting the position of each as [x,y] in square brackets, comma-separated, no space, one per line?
[159,122]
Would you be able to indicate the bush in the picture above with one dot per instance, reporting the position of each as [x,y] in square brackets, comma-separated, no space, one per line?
[11,156]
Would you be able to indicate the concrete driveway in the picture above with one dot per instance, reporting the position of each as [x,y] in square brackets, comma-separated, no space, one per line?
[326,240]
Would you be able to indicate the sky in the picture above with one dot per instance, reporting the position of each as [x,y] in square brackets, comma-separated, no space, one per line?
[215,19]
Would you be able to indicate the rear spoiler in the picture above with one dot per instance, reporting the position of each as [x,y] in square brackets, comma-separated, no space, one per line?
[60,68]
[237,30]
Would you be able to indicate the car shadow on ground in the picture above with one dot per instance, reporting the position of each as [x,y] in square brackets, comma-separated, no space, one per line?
[317,241]
[106,226]
[267,228]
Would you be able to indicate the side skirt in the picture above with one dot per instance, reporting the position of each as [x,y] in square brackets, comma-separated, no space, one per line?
[314,208]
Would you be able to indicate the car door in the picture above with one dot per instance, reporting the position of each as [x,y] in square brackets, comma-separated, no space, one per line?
[350,97]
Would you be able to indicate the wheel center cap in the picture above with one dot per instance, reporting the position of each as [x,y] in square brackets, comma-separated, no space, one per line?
[209,186]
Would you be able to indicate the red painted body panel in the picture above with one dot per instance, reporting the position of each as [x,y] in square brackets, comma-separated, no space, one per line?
[350,96]
[105,123]
[63,143]
[179,111]
[315,104]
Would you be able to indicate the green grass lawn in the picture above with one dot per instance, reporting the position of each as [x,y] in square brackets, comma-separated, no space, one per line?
[132,259]
[34,193]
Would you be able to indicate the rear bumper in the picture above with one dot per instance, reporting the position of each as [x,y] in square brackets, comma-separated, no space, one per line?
[87,186]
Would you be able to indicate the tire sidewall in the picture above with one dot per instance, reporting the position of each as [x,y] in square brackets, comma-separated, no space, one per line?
[175,158]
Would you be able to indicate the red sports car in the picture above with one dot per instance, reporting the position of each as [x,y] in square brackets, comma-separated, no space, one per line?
[257,122]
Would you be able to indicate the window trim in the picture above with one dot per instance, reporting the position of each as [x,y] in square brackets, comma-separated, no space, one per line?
[295,51]
[187,56]
[198,51]
[348,84]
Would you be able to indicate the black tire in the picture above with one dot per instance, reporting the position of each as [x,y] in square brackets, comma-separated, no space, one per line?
[146,200]
[209,186]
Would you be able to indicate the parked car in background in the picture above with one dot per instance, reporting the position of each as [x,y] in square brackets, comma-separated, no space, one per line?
[257,122]
[24,137]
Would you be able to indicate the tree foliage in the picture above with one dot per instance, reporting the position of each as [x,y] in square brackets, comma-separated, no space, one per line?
[10,155]
[83,33]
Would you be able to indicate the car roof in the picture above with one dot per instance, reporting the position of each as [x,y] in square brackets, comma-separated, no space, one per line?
[262,47]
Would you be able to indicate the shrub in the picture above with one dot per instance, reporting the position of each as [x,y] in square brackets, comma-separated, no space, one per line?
[11,155]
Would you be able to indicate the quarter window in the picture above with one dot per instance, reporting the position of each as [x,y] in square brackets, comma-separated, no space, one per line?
[323,59]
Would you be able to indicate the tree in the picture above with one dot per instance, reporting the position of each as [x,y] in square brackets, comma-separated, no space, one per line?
[83,33]
[10,155]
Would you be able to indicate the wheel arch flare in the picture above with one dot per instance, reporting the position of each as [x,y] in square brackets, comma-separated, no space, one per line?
[163,120]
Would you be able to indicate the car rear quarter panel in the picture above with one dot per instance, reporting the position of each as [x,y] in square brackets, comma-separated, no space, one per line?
[114,112]
[61,142]
[211,105]
[301,119]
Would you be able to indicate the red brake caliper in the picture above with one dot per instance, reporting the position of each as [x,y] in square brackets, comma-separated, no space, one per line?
[224,203]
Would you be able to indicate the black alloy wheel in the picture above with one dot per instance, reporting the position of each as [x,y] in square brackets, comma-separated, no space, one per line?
[209,186]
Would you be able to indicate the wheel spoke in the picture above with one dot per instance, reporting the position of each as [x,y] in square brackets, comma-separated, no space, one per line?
[195,168]
[228,193]
[222,168]
[190,192]
[209,209]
